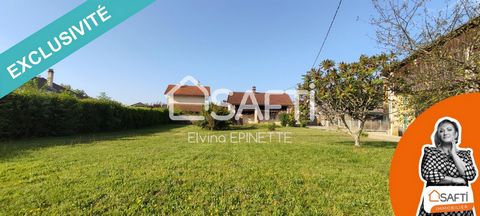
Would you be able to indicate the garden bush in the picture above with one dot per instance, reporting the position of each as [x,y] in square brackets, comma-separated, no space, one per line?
[47,114]
[212,124]
[283,119]
[272,126]
[287,119]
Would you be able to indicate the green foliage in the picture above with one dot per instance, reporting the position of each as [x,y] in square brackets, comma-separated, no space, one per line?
[349,89]
[287,119]
[431,80]
[74,92]
[291,119]
[31,87]
[303,119]
[302,123]
[364,134]
[283,119]
[212,124]
[272,126]
[104,97]
[36,114]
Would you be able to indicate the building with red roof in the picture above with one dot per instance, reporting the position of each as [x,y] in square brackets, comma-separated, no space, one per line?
[251,115]
[186,98]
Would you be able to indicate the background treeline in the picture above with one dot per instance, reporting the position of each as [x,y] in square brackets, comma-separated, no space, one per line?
[46,114]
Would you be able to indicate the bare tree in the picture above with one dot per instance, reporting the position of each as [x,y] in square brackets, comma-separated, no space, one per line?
[440,42]
[408,26]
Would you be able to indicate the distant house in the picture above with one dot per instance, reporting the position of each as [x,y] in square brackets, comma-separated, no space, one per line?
[140,104]
[251,115]
[186,98]
[144,105]
[49,86]
[48,83]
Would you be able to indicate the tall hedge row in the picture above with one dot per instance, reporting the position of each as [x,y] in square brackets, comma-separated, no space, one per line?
[35,115]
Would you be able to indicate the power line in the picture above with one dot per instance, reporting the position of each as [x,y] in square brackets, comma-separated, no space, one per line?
[325,39]
[328,32]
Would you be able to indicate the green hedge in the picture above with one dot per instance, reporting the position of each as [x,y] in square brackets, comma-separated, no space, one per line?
[36,115]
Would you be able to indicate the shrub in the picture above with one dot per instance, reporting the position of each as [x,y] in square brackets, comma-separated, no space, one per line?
[364,134]
[272,126]
[284,119]
[212,124]
[303,121]
[287,119]
[37,114]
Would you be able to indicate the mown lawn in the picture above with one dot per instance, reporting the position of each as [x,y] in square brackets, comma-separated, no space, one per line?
[156,171]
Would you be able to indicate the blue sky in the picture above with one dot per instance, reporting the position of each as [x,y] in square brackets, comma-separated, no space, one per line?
[223,43]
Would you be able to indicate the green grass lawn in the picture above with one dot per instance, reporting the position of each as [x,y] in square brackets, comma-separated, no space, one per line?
[156,171]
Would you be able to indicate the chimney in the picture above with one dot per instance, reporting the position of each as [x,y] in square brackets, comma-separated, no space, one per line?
[50,78]
[254,89]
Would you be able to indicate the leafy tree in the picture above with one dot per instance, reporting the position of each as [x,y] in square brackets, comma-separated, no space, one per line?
[31,87]
[103,96]
[349,90]
[74,92]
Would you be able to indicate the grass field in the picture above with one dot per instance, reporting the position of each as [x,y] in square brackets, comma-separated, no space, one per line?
[156,171]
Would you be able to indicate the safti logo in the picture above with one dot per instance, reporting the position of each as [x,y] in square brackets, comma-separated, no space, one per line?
[196,97]
[434,196]
[171,100]
[439,199]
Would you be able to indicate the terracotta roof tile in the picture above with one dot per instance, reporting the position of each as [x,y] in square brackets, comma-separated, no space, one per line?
[186,90]
[275,99]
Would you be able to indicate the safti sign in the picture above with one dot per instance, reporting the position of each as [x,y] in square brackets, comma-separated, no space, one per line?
[439,199]
[243,105]
[61,38]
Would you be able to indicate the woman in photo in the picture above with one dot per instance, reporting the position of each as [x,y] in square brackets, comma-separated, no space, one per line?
[443,164]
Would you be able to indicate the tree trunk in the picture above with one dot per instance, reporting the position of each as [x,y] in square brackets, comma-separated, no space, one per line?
[356,137]
[359,132]
[355,134]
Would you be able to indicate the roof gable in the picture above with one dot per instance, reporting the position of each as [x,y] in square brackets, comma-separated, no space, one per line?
[186,90]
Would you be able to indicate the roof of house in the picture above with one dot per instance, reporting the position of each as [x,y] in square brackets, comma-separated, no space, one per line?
[139,104]
[275,99]
[145,105]
[186,90]
[43,82]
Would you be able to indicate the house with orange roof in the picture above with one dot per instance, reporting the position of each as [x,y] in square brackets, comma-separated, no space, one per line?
[187,98]
[283,101]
